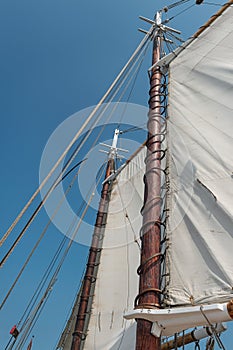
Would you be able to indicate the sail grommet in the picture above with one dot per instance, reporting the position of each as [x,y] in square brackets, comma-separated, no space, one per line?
[191,298]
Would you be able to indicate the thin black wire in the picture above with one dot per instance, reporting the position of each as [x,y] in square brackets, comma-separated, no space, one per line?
[44,278]
[8,344]
[134,82]
[50,285]
[175,4]
[212,3]
[126,73]
[181,12]
[38,208]
[168,45]
[31,304]
[47,271]
[141,46]
[133,128]
[68,172]
[173,36]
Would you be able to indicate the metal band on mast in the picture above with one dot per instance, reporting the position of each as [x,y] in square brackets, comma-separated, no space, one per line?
[149,285]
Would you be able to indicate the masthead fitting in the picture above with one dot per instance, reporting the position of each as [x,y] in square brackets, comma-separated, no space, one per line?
[158,18]
[113,152]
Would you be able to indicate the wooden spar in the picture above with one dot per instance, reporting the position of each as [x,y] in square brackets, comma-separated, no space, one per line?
[195,335]
[149,284]
[181,341]
[88,285]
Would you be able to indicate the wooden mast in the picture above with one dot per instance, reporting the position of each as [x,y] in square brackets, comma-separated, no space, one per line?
[89,280]
[149,285]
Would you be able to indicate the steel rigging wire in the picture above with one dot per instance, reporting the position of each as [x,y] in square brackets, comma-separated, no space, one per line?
[94,143]
[53,264]
[124,74]
[30,315]
[39,240]
[77,135]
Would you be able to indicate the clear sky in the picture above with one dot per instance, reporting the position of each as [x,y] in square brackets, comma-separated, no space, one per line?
[58,57]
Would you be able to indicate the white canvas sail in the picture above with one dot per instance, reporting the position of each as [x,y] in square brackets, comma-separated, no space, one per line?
[199,279]
[200,202]
[117,281]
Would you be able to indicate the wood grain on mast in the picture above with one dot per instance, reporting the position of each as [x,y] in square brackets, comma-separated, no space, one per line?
[89,280]
[149,285]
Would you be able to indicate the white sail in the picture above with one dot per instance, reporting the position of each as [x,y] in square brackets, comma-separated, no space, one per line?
[117,281]
[200,202]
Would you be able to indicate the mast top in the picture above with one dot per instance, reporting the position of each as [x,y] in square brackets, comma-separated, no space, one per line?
[158,18]
[113,152]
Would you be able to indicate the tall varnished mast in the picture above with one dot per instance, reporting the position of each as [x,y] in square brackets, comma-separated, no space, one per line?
[149,285]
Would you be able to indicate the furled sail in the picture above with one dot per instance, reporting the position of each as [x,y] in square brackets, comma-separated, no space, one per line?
[117,281]
[200,201]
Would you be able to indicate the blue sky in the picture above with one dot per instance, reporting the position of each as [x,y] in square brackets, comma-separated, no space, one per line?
[58,57]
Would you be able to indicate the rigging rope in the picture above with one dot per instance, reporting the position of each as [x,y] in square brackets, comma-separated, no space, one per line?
[55,183]
[181,12]
[175,4]
[70,160]
[42,234]
[212,3]
[31,315]
[52,263]
[134,82]
[37,210]
[75,138]
[127,218]
[91,190]
[197,345]
[133,128]
[145,47]
[210,344]
[213,329]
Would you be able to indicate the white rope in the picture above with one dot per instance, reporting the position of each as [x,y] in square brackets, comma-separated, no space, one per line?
[75,138]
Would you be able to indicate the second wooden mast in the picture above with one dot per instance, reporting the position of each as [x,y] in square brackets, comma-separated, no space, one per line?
[89,280]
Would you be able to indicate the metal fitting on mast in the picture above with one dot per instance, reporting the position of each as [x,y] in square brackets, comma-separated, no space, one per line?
[113,152]
[167,35]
